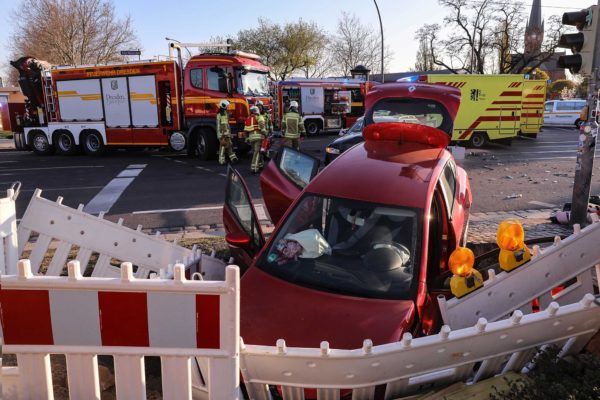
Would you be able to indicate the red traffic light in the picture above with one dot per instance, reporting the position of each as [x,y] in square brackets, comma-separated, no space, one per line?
[576,18]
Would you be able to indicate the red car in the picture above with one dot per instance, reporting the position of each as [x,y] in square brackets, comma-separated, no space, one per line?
[360,249]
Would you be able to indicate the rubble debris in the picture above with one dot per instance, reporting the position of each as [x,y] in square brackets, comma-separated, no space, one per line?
[513,196]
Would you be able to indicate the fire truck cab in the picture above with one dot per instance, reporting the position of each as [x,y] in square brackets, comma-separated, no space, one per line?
[324,104]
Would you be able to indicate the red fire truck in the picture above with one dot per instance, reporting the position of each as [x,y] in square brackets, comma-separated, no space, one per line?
[325,104]
[138,103]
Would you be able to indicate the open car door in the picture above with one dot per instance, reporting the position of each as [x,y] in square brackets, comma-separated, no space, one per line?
[243,232]
[284,178]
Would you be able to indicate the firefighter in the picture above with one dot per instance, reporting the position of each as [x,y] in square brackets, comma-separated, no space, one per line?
[224,134]
[256,131]
[292,126]
[264,111]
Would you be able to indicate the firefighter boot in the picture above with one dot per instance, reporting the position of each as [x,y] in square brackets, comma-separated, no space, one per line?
[222,155]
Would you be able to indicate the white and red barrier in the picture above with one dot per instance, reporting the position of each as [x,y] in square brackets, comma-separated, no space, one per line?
[125,317]
[8,232]
[573,263]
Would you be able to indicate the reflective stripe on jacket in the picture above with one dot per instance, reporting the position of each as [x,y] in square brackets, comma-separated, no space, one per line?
[223,125]
[292,125]
[255,126]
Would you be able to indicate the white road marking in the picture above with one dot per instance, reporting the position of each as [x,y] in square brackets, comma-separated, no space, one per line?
[65,188]
[108,196]
[260,210]
[225,175]
[541,203]
[47,168]
[134,166]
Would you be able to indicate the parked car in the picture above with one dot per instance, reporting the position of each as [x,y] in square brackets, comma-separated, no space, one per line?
[360,250]
[349,138]
[563,112]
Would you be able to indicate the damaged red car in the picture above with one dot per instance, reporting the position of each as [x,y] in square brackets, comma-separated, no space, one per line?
[360,249]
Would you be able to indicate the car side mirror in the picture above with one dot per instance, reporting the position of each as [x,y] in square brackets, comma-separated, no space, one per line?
[238,239]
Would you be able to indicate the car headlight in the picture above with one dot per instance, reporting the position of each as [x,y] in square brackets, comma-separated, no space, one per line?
[332,150]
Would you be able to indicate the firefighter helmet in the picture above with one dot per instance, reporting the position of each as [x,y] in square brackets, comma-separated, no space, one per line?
[259,103]
[254,110]
[224,104]
[294,104]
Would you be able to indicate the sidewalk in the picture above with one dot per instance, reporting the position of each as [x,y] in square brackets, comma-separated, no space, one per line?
[7,144]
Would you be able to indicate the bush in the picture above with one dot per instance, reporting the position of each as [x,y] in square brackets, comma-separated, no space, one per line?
[576,378]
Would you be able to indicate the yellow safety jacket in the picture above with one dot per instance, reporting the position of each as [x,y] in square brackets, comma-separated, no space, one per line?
[223,128]
[292,126]
[255,126]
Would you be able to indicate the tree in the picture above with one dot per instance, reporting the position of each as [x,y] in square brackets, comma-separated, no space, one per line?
[426,54]
[355,43]
[563,87]
[72,32]
[293,47]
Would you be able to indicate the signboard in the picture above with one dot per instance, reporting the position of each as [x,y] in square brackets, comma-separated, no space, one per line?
[312,100]
[131,52]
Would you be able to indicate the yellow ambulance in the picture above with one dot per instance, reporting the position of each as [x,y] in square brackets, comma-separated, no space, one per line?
[494,107]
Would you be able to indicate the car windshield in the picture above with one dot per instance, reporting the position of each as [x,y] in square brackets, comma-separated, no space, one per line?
[347,247]
[252,83]
[413,111]
[357,127]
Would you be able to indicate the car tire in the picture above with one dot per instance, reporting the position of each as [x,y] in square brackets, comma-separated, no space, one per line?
[478,140]
[313,127]
[64,143]
[206,144]
[92,143]
[40,144]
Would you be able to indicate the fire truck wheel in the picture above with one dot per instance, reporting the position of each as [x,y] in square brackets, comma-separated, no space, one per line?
[478,140]
[313,126]
[64,142]
[39,143]
[92,143]
[206,144]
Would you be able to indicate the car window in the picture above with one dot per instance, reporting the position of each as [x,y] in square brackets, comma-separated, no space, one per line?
[348,247]
[238,202]
[413,111]
[448,185]
[579,105]
[196,78]
[357,127]
[548,107]
[300,168]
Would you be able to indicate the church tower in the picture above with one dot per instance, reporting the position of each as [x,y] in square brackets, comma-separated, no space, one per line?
[534,32]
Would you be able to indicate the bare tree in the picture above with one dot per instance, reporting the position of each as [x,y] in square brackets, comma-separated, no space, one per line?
[356,44]
[425,58]
[286,49]
[70,31]
[508,33]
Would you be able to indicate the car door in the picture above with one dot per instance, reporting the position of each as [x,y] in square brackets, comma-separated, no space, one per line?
[243,232]
[454,185]
[284,178]
[549,113]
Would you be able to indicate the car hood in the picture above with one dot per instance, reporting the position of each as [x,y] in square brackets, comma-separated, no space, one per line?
[274,309]
[348,137]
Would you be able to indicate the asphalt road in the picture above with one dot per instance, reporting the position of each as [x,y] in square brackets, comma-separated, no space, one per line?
[158,188]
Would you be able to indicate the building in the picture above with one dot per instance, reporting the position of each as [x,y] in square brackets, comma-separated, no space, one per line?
[12,108]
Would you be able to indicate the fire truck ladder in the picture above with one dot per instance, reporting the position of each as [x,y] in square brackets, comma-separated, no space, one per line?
[49,96]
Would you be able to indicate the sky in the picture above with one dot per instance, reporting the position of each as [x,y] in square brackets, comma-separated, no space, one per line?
[198,20]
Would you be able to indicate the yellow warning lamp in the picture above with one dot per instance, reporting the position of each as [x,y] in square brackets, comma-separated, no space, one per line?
[465,278]
[511,240]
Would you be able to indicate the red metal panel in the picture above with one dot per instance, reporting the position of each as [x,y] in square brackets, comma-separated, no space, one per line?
[26,317]
[208,321]
[123,319]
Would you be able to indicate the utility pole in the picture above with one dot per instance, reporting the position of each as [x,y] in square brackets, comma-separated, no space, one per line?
[585,46]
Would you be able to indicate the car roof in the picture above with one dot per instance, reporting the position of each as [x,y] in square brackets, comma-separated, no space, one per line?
[383,172]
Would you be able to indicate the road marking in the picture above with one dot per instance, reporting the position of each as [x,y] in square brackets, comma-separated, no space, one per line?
[108,196]
[47,168]
[65,188]
[225,175]
[541,203]
[260,210]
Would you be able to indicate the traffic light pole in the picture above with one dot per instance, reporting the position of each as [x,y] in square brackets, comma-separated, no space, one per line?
[587,144]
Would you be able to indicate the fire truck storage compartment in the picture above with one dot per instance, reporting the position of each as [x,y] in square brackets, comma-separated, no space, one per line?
[116,104]
[80,100]
[122,102]
[312,100]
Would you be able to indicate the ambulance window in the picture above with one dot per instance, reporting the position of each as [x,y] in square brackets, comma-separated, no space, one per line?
[196,77]
[548,107]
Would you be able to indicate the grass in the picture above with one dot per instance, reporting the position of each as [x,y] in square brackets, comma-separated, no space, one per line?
[6,134]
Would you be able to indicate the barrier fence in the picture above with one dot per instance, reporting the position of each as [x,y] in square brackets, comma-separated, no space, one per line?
[127,318]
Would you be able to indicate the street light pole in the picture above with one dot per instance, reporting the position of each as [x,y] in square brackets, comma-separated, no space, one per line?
[170,48]
[380,27]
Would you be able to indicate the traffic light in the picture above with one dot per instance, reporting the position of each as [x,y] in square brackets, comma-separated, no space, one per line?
[582,43]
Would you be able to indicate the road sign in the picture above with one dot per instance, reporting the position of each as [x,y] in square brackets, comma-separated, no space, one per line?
[131,52]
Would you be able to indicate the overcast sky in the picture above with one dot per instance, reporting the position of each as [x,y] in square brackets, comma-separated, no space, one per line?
[198,20]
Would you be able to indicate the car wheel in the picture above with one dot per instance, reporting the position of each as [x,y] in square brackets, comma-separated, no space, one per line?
[64,142]
[206,144]
[93,144]
[40,144]
[312,127]
[478,140]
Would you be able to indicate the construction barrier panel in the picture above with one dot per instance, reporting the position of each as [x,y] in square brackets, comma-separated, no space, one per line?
[9,254]
[573,263]
[127,318]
